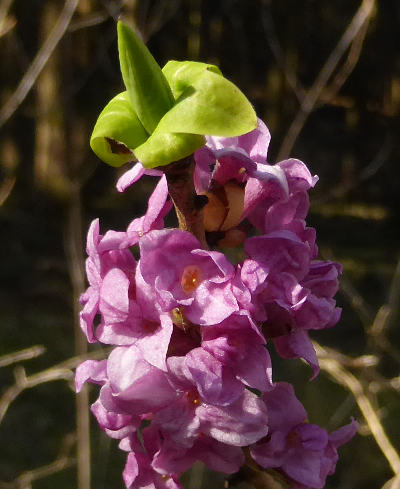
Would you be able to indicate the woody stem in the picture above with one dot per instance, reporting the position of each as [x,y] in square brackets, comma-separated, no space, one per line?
[188,205]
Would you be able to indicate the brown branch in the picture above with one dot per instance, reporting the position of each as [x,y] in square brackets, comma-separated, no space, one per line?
[62,462]
[39,62]
[22,355]
[22,382]
[4,8]
[188,205]
[277,51]
[89,20]
[7,22]
[361,17]
[61,371]
[74,250]
[365,173]
[348,66]
[381,323]
[393,483]
[345,378]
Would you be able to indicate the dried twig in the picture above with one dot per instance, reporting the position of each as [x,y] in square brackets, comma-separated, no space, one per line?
[4,8]
[22,355]
[394,292]
[277,51]
[348,66]
[63,461]
[393,483]
[365,173]
[342,376]
[61,371]
[39,62]
[74,250]
[90,20]
[361,17]
[22,382]
[7,22]
[379,327]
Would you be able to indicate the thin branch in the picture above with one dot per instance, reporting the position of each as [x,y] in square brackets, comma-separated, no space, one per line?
[5,6]
[62,462]
[73,362]
[277,51]
[91,20]
[73,248]
[348,66]
[343,377]
[380,325]
[356,300]
[365,173]
[393,483]
[22,382]
[163,12]
[61,371]
[39,62]
[6,188]
[394,292]
[22,355]
[7,24]
[361,17]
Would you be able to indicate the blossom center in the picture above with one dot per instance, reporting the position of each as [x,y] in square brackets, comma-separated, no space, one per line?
[191,278]
[193,397]
[293,438]
[150,326]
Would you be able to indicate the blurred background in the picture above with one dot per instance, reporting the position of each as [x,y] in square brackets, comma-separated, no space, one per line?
[325,77]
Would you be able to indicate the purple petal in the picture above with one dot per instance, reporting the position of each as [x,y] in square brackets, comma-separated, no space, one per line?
[133,175]
[218,456]
[285,411]
[136,385]
[178,422]
[313,437]
[304,466]
[154,346]
[213,303]
[344,434]
[272,453]
[112,240]
[216,384]
[90,371]
[204,158]
[114,299]
[93,238]
[298,345]
[280,251]
[88,313]
[256,142]
[298,175]
[116,425]
[240,424]
[131,470]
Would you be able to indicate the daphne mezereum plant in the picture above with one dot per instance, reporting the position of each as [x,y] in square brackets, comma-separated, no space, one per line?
[189,376]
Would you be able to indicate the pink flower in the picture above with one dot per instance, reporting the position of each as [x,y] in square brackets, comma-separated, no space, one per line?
[182,274]
[304,452]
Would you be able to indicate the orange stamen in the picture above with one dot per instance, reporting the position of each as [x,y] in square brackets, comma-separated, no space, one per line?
[191,279]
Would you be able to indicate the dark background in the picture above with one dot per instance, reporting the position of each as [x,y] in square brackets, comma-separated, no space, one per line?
[52,186]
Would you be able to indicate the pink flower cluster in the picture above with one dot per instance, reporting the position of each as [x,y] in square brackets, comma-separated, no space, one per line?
[190,376]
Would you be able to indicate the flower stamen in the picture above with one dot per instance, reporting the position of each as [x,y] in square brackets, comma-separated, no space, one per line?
[191,278]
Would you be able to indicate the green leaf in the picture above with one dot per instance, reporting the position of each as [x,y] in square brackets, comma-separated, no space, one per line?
[181,74]
[164,148]
[211,105]
[147,87]
[117,132]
